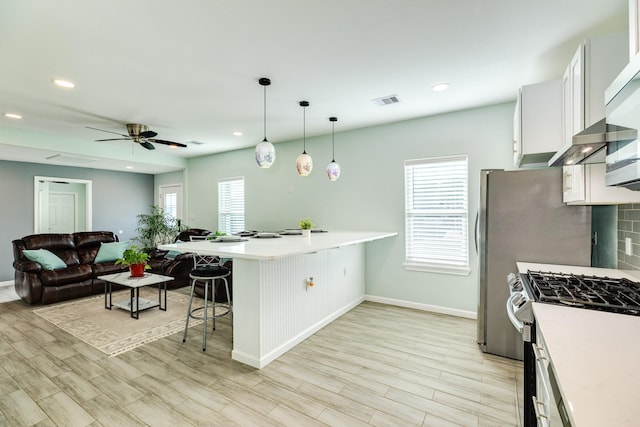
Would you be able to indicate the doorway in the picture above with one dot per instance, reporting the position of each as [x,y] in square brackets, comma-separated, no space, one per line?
[62,205]
[171,200]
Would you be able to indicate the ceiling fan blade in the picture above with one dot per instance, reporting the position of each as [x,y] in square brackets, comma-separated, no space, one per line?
[170,143]
[113,139]
[147,145]
[148,134]
[102,130]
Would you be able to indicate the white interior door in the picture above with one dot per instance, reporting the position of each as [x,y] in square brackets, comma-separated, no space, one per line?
[62,216]
[171,199]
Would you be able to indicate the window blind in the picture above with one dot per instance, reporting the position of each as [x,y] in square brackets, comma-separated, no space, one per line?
[231,205]
[436,214]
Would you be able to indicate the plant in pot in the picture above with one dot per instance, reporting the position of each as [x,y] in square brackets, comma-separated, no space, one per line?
[157,228]
[306,225]
[136,259]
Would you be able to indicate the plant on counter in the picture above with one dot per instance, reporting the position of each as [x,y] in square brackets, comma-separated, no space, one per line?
[157,228]
[136,259]
[306,224]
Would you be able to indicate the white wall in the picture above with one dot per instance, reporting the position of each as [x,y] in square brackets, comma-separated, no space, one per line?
[368,195]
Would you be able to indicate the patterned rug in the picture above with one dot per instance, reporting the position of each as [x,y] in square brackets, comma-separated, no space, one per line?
[114,331]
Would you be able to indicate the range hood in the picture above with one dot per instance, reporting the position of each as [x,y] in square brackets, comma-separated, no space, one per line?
[589,146]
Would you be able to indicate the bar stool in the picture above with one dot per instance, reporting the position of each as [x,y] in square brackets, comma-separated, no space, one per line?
[208,274]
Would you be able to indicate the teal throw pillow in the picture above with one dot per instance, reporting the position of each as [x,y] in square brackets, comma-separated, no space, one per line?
[110,251]
[48,260]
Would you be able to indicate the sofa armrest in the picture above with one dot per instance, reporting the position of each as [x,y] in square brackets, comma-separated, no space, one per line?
[27,266]
[158,254]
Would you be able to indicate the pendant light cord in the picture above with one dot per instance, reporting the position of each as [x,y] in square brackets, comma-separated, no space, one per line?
[333,141]
[265,112]
[304,128]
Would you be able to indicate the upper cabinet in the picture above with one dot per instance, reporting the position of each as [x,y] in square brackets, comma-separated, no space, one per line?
[537,124]
[592,68]
[634,28]
[595,64]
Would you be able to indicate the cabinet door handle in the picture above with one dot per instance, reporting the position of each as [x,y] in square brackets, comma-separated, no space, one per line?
[539,407]
[539,352]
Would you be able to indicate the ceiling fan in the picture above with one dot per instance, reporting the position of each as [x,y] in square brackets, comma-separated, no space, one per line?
[140,134]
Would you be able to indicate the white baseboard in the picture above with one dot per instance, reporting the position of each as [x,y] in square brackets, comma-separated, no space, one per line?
[424,307]
[7,283]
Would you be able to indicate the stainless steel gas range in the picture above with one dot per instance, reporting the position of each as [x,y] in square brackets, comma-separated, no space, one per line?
[611,294]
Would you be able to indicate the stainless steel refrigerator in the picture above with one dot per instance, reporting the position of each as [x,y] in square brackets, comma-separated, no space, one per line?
[522,218]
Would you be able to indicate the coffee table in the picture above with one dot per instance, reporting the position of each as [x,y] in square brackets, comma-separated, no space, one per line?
[135,304]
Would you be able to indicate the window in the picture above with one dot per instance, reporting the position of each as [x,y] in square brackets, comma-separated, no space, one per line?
[436,205]
[231,205]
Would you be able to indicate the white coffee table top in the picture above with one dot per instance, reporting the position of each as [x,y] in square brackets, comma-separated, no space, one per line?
[125,279]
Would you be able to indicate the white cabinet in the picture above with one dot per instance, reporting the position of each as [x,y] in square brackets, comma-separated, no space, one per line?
[584,185]
[591,70]
[634,28]
[537,124]
[593,67]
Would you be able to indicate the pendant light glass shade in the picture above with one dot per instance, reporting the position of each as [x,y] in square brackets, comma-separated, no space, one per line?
[304,162]
[333,169]
[265,151]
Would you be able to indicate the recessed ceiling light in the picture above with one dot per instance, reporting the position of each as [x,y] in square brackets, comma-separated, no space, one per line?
[63,83]
[13,115]
[439,87]
[237,133]
[129,167]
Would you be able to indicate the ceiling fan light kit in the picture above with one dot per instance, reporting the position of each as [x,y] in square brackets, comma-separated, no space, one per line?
[304,162]
[265,151]
[333,169]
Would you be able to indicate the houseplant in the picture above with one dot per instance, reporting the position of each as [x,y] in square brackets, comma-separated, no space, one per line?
[157,228]
[136,259]
[306,225]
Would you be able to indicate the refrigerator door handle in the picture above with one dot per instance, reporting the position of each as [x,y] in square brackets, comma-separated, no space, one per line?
[475,231]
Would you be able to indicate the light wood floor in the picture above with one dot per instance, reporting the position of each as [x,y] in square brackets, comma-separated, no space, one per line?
[377,365]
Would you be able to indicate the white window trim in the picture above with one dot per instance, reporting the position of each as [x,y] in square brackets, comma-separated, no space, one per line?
[436,267]
[220,213]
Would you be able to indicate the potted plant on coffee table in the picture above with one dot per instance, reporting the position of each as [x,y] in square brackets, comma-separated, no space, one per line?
[136,260]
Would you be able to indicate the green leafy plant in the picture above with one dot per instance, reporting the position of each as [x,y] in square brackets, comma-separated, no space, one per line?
[306,224]
[132,256]
[157,228]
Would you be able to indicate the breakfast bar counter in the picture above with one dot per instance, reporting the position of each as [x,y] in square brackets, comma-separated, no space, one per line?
[286,288]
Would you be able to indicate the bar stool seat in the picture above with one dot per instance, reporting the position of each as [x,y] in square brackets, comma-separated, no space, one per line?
[208,275]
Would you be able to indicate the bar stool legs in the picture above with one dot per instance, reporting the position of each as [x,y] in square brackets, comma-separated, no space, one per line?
[193,313]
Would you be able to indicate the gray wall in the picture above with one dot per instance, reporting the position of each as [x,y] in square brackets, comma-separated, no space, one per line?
[118,197]
[368,196]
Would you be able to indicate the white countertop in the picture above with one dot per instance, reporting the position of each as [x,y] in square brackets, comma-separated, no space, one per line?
[595,357]
[594,354]
[266,249]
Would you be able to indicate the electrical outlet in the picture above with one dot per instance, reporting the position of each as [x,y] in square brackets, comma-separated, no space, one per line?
[627,246]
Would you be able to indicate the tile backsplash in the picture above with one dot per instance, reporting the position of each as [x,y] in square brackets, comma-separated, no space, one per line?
[629,228]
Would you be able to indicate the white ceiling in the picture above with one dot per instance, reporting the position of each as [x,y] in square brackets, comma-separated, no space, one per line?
[189,69]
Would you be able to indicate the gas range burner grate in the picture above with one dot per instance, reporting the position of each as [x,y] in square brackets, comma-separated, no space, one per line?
[598,293]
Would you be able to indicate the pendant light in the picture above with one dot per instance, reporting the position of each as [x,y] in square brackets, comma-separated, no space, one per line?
[265,151]
[304,163]
[333,169]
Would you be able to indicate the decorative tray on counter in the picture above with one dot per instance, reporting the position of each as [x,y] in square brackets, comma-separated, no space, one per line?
[266,235]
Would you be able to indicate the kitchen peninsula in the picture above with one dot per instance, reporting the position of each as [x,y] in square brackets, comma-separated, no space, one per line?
[274,306]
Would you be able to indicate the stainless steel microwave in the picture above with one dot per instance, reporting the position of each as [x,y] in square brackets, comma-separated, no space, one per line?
[622,99]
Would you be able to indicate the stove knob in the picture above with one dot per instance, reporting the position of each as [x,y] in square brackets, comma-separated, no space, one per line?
[511,279]
[517,286]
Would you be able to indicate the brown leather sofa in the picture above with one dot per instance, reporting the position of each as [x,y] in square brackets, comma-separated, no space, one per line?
[80,277]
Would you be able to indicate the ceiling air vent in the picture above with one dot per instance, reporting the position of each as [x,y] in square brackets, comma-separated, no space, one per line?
[386,100]
[70,159]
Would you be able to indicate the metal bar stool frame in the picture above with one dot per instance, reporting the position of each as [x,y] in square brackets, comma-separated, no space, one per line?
[207,273]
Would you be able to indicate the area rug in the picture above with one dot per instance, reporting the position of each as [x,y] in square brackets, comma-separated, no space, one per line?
[114,331]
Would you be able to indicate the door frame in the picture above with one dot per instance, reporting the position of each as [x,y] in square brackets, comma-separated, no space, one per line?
[38,201]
